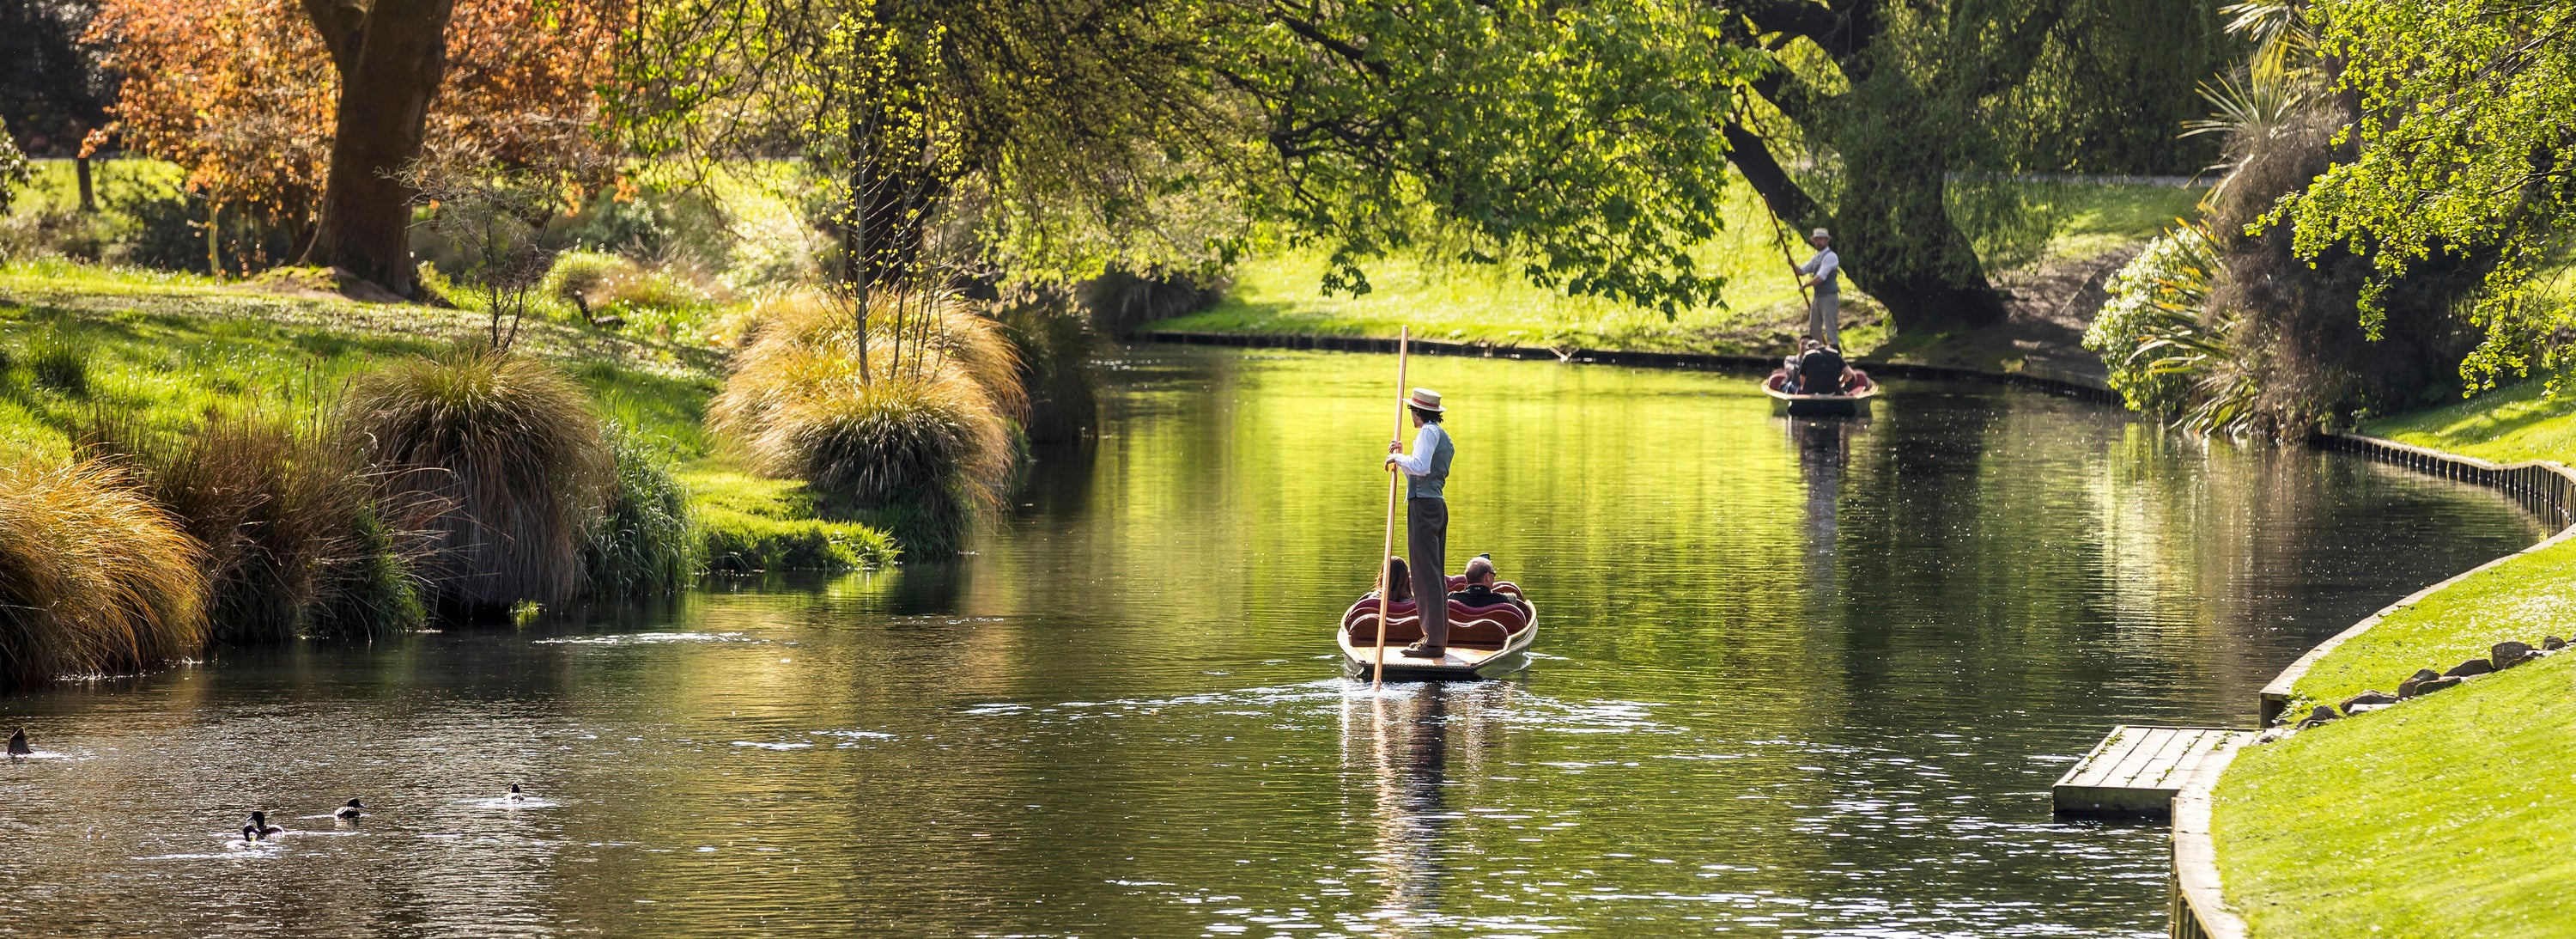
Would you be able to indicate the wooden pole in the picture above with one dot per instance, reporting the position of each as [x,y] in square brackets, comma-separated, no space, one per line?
[1394,488]
[1796,276]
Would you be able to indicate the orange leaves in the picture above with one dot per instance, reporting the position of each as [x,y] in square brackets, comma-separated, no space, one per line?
[242,94]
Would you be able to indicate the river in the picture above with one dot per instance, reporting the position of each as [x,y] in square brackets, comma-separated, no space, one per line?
[1793,678]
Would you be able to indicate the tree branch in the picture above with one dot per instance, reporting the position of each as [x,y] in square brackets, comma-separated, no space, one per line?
[341,23]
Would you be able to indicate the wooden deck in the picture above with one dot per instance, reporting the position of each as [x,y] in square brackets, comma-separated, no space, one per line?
[2137,770]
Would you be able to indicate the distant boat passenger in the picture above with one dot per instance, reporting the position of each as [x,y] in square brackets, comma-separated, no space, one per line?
[1479,593]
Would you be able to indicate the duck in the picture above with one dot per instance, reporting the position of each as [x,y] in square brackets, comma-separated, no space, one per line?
[259,827]
[350,812]
[18,743]
[514,795]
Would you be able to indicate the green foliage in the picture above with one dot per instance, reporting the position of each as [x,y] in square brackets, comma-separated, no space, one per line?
[499,456]
[94,578]
[645,541]
[2467,143]
[1576,143]
[16,171]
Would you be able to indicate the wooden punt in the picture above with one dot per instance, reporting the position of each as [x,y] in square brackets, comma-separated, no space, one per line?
[1487,643]
[1853,404]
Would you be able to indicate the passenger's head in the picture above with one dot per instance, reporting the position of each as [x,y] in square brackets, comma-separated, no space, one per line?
[1809,344]
[1480,570]
[1399,580]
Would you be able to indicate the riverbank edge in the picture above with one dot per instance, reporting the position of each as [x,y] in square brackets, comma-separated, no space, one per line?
[2199,909]
[2041,380]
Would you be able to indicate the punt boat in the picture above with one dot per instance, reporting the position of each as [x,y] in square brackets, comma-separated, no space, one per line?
[1854,403]
[1485,642]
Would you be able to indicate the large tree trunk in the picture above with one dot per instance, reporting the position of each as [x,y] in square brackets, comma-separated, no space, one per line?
[390,57]
[1892,230]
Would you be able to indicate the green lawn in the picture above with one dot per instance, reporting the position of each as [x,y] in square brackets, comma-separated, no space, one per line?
[2443,816]
[166,349]
[1278,290]
[2511,424]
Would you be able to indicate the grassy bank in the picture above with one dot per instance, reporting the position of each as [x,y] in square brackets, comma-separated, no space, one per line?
[1277,291]
[2443,815]
[164,350]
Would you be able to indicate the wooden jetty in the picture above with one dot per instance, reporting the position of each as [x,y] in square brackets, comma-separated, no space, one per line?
[2136,770]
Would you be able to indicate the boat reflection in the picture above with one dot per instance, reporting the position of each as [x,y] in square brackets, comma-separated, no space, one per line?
[1824,448]
[1397,747]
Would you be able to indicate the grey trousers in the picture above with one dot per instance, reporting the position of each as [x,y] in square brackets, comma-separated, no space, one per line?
[1825,318]
[1426,545]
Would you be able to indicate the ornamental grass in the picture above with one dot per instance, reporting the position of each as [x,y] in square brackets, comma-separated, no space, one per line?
[498,457]
[94,578]
[293,541]
[912,422]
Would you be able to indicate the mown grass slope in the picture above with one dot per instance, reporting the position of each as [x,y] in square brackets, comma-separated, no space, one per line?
[2443,816]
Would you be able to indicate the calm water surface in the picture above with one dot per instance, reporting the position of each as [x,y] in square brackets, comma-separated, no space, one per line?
[1796,679]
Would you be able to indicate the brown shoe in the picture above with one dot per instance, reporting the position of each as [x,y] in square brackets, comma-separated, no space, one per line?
[1420,651]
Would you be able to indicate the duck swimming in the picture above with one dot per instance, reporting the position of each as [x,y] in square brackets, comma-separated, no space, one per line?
[349,812]
[259,827]
[514,795]
[18,742]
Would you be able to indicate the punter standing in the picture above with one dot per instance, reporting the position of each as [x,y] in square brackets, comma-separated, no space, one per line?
[1825,318]
[1426,518]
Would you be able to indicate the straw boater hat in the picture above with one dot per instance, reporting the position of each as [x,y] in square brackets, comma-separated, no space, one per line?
[1821,233]
[1427,400]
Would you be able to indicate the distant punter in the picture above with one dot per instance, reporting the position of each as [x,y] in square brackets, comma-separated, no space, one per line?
[1825,318]
[1426,517]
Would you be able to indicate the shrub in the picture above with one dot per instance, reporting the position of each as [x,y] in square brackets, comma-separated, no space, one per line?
[910,422]
[293,542]
[93,576]
[2169,279]
[645,541]
[499,457]
[68,233]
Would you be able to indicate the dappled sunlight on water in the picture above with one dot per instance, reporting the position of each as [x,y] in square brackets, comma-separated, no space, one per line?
[1792,679]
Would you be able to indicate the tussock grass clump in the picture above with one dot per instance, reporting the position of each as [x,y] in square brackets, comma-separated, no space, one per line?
[499,457]
[922,437]
[93,576]
[55,363]
[288,519]
[646,540]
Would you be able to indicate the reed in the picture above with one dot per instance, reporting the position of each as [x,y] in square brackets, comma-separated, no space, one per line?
[921,437]
[498,457]
[94,578]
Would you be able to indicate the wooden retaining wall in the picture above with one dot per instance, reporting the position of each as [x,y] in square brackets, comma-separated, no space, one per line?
[2547,489]
[2066,385]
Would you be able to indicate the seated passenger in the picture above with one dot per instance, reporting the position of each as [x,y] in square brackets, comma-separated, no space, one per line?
[1789,366]
[1820,371]
[1399,575]
[1480,593]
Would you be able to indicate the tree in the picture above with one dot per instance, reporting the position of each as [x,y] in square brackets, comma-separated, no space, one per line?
[53,90]
[1575,140]
[390,56]
[248,96]
[2466,148]
[1890,114]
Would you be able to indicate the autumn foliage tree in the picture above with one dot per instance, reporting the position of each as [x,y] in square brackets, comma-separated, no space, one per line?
[250,98]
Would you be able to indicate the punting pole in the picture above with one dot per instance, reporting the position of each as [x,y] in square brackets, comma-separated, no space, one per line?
[1394,488]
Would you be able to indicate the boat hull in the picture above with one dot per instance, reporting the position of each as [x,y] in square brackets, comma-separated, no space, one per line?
[1855,404]
[1358,662]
